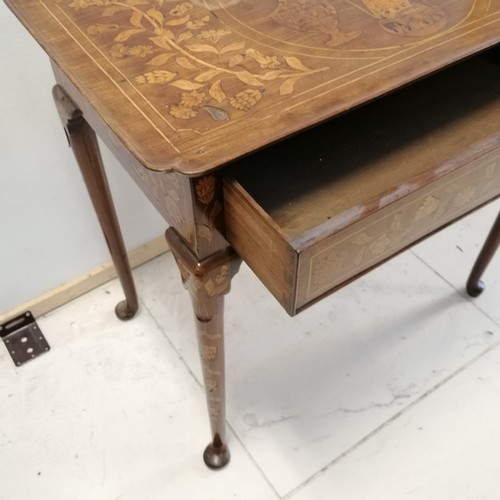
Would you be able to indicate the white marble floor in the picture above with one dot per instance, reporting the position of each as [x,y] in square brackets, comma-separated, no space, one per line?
[388,389]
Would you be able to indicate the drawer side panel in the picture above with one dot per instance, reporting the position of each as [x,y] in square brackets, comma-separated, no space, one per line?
[254,236]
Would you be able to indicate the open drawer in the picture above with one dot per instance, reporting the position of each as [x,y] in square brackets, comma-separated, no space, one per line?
[312,213]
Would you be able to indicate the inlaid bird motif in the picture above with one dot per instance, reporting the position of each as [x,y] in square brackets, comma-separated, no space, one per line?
[313,16]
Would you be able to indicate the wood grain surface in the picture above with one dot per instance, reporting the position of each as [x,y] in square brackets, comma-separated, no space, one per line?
[192,85]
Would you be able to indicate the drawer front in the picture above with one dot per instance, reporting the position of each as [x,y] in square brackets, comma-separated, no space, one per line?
[339,258]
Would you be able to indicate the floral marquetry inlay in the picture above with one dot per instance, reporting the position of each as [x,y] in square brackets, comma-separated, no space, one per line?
[190,85]
[204,51]
[211,68]
[208,352]
[400,226]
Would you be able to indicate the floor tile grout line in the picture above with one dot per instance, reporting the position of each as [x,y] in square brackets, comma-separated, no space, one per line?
[461,291]
[193,375]
[385,424]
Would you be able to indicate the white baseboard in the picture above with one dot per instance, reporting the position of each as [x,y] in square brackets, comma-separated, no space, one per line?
[83,284]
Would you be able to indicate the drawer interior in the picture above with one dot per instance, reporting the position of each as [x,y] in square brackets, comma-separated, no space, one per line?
[317,183]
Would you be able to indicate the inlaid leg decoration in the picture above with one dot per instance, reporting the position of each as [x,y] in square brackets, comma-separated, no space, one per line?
[84,144]
[475,285]
[208,281]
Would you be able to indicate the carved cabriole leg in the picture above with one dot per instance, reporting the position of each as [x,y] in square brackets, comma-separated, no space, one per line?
[84,144]
[474,284]
[207,264]
[207,282]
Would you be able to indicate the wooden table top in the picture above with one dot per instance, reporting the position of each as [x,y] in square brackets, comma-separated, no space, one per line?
[192,85]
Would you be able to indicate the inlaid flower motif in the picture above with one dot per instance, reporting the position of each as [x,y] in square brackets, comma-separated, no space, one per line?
[264,61]
[397,222]
[100,29]
[213,35]
[192,99]
[140,50]
[380,244]
[269,62]
[211,384]
[324,267]
[181,9]
[205,189]
[190,33]
[183,112]
[198,23]
[222,276]
[214,412]
[120,50]
[465,196]
[208,352]
[158,76]
[246,99]
[428,207]
[83,4]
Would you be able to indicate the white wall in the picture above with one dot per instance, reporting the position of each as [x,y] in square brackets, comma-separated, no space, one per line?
[48,231]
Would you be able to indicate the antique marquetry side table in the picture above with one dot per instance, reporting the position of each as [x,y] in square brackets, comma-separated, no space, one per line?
[199,100]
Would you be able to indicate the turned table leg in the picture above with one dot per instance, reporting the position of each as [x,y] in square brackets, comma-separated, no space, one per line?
[208,281]
[475,285]
[84,144]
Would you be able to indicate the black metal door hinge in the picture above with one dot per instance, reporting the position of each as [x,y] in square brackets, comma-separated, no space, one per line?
[23,338]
